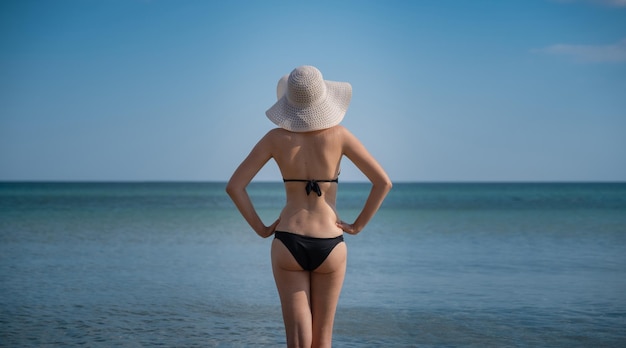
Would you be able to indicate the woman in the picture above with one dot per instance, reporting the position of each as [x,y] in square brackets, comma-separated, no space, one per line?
[308,252]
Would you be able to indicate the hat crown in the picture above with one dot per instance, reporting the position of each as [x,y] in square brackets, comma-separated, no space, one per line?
[306,102]
[305,86]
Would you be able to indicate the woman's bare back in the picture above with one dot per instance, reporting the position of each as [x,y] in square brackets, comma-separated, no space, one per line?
[309,156]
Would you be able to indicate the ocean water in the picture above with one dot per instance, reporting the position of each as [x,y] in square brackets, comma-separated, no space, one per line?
[441,265]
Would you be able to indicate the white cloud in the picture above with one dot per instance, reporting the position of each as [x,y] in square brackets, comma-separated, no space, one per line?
[590,53]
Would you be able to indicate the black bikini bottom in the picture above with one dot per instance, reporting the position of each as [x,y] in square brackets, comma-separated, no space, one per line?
[310,252]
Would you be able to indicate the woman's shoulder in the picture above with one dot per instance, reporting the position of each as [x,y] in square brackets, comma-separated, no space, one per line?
[276,133]
[275,137]
[344,133]
[342,129]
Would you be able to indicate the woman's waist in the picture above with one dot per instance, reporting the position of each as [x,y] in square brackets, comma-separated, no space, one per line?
[315,223]
[309,212]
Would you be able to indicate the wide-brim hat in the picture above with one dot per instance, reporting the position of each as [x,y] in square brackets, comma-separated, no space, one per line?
[307,102]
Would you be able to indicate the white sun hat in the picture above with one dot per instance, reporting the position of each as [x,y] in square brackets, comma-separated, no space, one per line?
[306,102]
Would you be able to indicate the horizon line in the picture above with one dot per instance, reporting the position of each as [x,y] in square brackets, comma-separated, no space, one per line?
[343,182]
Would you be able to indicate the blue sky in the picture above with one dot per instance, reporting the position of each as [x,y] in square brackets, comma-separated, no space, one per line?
[528,90]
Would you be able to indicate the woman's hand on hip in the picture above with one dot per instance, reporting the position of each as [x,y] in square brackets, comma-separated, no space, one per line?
[269,230]
[348,228]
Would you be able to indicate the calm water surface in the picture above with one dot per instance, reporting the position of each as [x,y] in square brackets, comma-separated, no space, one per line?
[442,265]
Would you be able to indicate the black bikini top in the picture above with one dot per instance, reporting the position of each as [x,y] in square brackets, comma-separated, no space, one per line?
[311,185]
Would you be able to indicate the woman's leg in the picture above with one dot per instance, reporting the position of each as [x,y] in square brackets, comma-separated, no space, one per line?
[326,283]
[294,287]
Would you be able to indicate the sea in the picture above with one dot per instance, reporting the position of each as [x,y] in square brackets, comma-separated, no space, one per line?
[441,265]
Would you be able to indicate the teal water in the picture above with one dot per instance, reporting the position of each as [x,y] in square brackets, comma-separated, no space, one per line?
[441,265]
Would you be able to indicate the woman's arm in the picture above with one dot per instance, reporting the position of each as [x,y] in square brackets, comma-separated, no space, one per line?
[358,154]
[236,187]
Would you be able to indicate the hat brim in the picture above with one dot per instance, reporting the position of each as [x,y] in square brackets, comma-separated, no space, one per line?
[325,114]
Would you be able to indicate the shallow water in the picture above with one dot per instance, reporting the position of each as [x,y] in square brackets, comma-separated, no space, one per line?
[482,265]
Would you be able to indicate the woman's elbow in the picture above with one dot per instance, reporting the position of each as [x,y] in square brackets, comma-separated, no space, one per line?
[232,188]
[387,184]
[384,184]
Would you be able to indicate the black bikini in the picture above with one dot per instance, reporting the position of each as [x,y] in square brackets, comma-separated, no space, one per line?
[312,185]
[310,252]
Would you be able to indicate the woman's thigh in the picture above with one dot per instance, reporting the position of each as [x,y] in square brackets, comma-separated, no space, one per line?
[326,284]
[294,289]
